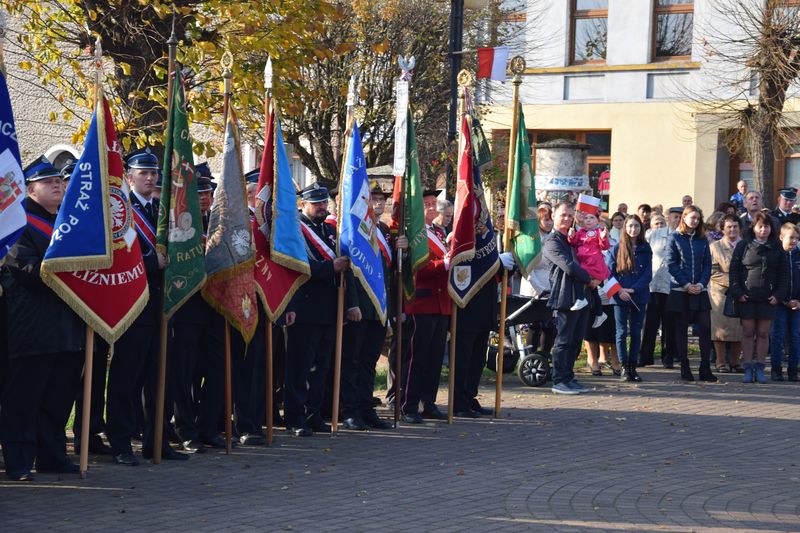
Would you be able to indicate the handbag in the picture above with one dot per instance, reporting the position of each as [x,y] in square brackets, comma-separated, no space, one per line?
[731,307]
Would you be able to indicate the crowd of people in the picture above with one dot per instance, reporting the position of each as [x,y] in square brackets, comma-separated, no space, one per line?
[734,278]
[731,277]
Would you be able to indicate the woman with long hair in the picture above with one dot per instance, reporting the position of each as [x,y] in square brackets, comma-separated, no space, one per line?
[757,283]
[689,264]
[631,265]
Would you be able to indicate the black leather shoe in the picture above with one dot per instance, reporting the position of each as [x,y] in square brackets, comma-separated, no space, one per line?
[22,475]
[468,413]
[316,423]
[476,406]
[215,442]
[372,420]
[776,373]
[252,439]
[170,454]
[299,431]
[376,402]
[356,424]
[127,459]
[193,446]
[412,418]
[791,373]
[432,412]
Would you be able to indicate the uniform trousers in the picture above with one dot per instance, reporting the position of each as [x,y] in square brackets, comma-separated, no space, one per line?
[391,380]
[97,422]
[37,401]
[249,382]
[361,347]
[425,360]
[135,361]
[195,351]
[309,353]
[470,360]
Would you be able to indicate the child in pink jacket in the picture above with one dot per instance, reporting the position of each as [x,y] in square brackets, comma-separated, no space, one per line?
[589,243]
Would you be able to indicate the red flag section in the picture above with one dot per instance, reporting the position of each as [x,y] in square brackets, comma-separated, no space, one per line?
[462,247]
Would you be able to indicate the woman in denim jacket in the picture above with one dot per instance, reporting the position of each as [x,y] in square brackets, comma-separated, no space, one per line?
[689,263]
[631,264]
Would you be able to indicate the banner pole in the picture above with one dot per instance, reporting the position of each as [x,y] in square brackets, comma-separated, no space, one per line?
[517,67]
[270,385]
[88,361]
[158,434]
[451,375]
[228,394]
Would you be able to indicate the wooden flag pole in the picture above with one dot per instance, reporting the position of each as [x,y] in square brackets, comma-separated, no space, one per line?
[88,361]
[517,68]
[270,386]
[398,360]
[451,374]
[158,433]
[337,357]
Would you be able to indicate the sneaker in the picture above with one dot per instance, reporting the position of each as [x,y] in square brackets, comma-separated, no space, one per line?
[579,304]
[574,385]
[563,388]
[599,320]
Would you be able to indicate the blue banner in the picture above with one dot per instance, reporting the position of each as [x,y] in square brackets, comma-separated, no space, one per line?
[358,228]
[12,181]
[468,277]
[84,210]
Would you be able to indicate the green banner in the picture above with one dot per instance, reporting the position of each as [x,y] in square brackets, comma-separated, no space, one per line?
[180,224]
[414,221]
[521,211]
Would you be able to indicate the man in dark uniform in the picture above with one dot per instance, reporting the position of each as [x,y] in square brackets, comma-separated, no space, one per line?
[135,358]
[44,370]
[786,200]
[197,362]
[311,338]
[363,339]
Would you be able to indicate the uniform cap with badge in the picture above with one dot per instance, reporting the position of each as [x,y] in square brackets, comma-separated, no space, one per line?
[40,169]
[314,193]
[143,158]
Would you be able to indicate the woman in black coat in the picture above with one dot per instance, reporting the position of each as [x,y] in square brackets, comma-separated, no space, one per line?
[758,280]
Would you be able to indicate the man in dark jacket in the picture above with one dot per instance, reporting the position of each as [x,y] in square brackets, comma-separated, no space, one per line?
[135,360]
[44,370]
[569,282]
[310,339]
[783,213]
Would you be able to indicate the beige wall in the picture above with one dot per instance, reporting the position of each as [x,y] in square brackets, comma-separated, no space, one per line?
[657,155]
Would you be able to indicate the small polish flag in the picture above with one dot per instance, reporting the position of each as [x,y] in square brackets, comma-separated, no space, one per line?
[611,287]
[492,63]
[588,204]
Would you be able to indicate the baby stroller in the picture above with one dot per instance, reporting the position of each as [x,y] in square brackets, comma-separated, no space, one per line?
[524,315]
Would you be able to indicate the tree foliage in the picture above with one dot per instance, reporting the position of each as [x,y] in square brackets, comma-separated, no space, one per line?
[58,38]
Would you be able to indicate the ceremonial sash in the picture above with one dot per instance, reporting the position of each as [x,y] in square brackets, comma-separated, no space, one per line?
[143,227]
[435,242]
[318,243]
[384,246]
[41,225]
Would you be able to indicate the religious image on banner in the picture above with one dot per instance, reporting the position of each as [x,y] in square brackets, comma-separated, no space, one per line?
[12,180]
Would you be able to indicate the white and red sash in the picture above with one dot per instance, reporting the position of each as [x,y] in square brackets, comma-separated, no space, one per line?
[322,247]
[436,245]
[384,246]
[143,227]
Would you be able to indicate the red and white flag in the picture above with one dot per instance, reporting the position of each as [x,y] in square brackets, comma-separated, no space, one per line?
[611,287]
[462,246]
[588,204]
[492,63]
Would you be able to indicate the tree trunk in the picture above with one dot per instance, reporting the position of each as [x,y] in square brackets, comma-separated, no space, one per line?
[762,154]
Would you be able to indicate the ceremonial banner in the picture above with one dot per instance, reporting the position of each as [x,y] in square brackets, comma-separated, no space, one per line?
[462,245]
[230,255]
[358,227]
[180,225]
[479,265]
[12,181]
[281,257]
[94,262]
[414,213]
[521,217]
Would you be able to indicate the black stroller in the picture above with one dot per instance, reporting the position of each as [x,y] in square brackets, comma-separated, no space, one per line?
[524,316]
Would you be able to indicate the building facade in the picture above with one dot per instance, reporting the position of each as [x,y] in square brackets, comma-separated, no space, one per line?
[625,76]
